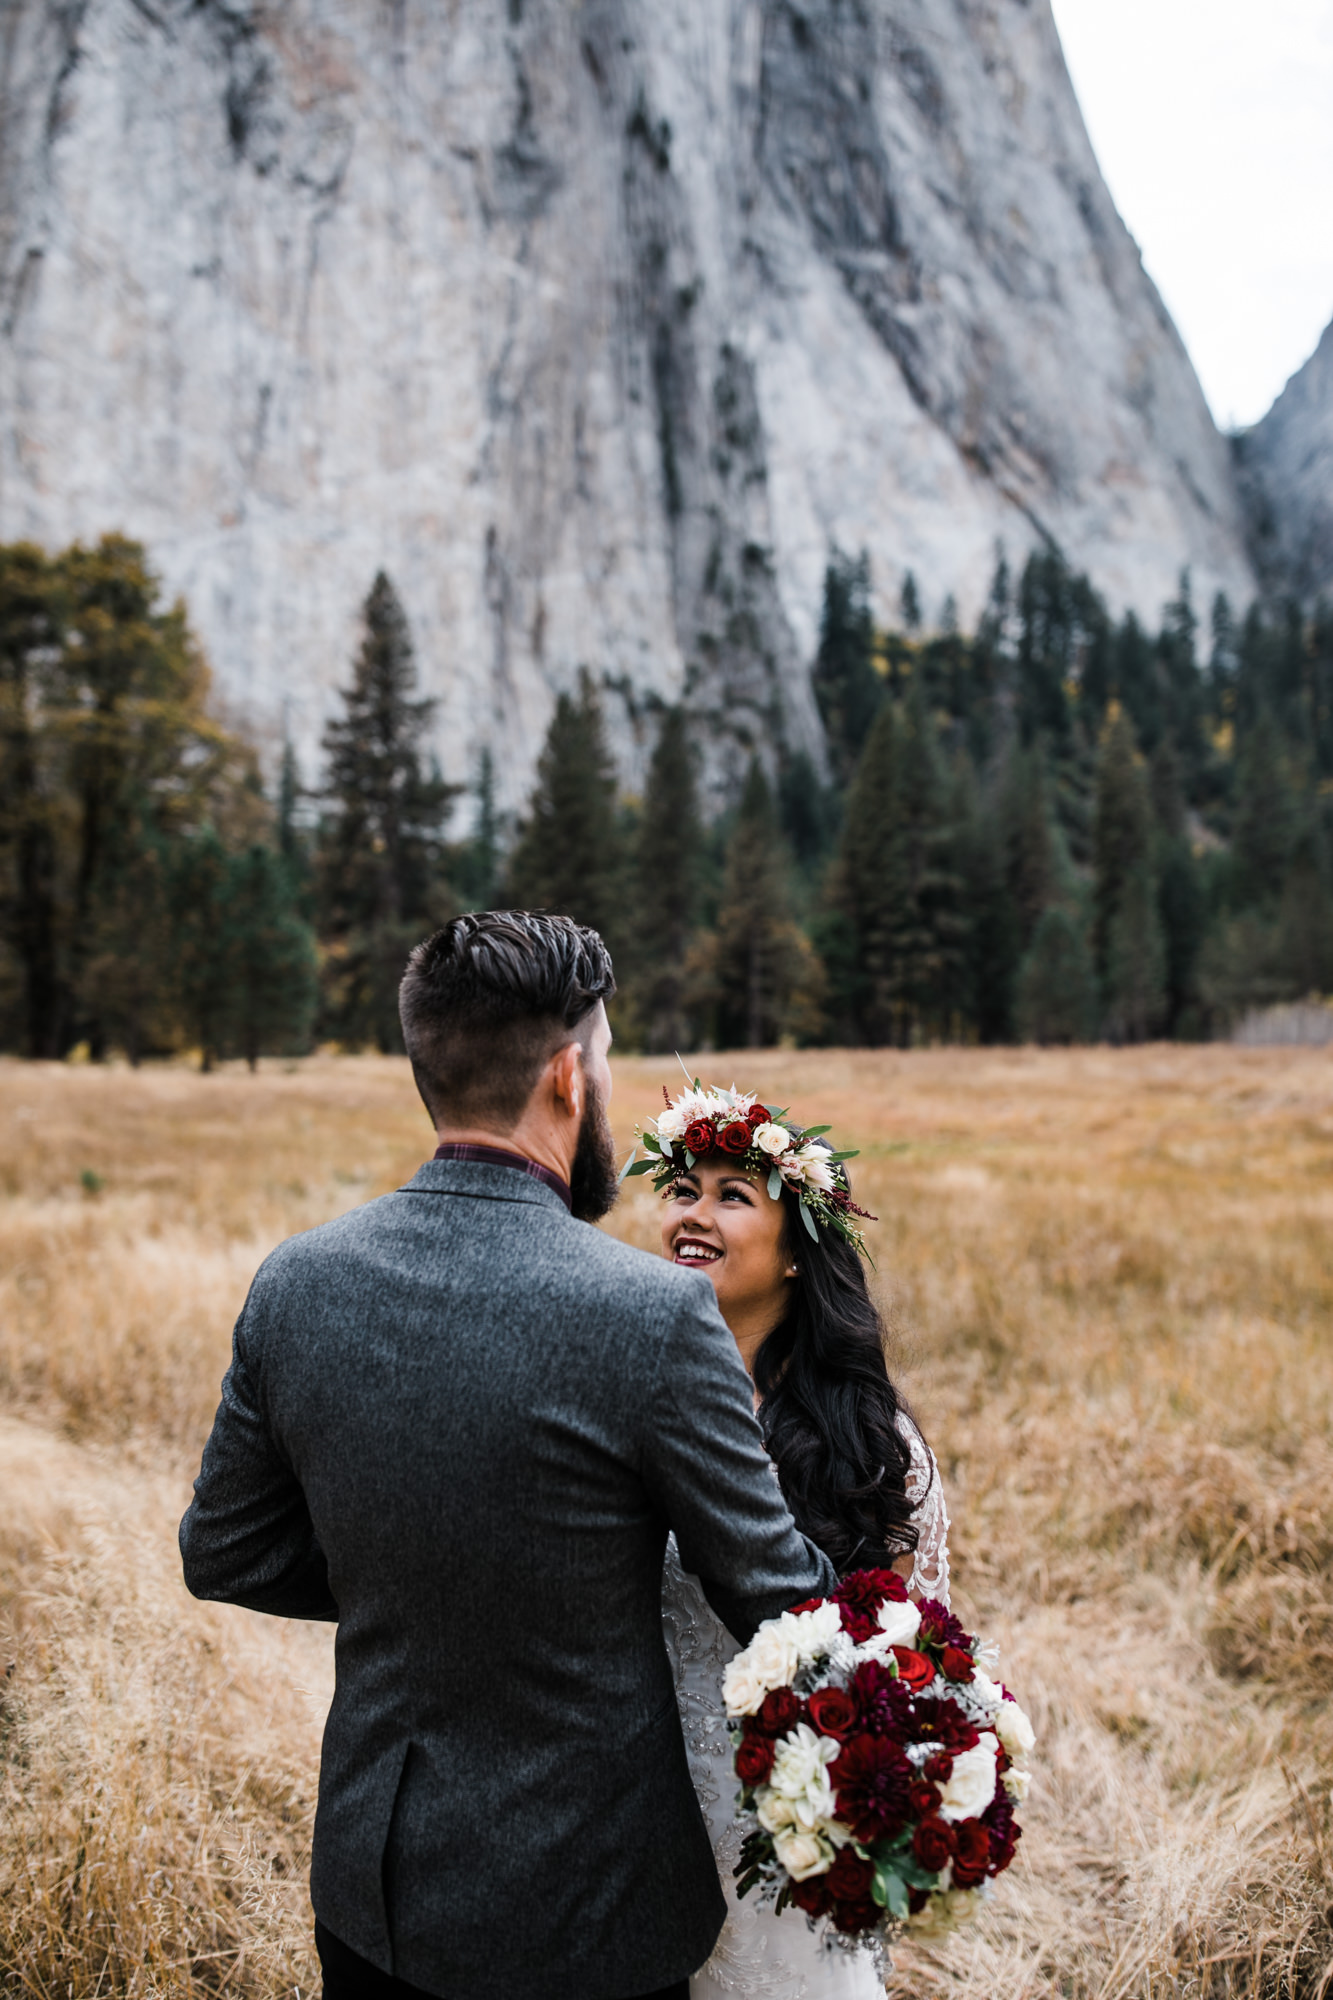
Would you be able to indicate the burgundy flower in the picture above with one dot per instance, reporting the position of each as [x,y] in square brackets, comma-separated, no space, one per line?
[832,1712]
[733,1138]
[957,1665]
[853,1918]
[939,1767]
[757,1115]
[914,1669]
[871,1778]
[811,1895]
[943,1722]
[779,1711]
[754,1759]
[883,1702]
[1005,1832]
[860,1596]
[939,1628]
[849,1878]
[933,1844]
[924,1799]
[700,1137]
[971,1862]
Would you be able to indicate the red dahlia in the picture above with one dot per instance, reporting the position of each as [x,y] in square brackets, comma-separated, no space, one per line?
[871,1778]
[860,1596]
[943,1722]
[939,1628]
[883,1702]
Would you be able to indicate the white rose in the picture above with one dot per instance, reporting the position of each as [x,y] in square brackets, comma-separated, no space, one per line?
[671,1126]
[742,1687]
[813,1632]
[772,1811]
[815,1169]
[1014,1729]
[898,1623]
[775,1653]
[1017,1783]
[971,1784]
[772,1139]
[802,1854]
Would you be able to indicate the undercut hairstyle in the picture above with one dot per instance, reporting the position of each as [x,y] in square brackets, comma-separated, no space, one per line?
[487,1002]
[828,1407]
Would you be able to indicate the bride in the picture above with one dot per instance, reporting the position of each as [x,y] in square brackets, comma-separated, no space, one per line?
[770,1224]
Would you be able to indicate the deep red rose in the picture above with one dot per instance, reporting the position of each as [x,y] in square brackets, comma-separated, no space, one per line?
[779,1711]
[971,1862]
[806,1604]
[832,1712]
[1005,1831]
[700,1137]
[811,1895]
[943,1722]
[849,1878]
[756,1116]
[871,1778]
[853,1918]
[924,1799]
[956,1665]
[754,1759]
[933,1844]
[917,1900]
[939,1628]
[914,1669]
[860,1596]
[883,1702]
[939,1767]
[733,1138]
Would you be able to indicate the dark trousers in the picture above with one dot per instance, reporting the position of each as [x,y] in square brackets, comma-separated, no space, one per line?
[348,1976]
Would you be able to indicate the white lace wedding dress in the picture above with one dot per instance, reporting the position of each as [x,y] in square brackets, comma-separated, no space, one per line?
[760,1956]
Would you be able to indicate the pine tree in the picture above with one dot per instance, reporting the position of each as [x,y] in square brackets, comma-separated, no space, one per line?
[204,968]
[30,625]
[1028,845]
[381,880]
[910,605]
[479,861]
[1122,832]
[272,967]
[1057,993]
[847,688]
[670,849]
[1137,964]
[1180,899]
[1267,817]
[768,982]
[569,855]
[1304,945]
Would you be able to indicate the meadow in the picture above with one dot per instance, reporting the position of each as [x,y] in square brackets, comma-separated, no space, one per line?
[1109,1281]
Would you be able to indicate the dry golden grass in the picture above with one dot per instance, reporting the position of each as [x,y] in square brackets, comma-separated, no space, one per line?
[1110,1277]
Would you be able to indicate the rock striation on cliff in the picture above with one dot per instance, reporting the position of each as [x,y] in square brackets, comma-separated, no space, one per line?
[1285,462]
[596,323]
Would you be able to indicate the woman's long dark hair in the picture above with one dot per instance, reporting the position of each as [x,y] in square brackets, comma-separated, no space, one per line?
[829,1410]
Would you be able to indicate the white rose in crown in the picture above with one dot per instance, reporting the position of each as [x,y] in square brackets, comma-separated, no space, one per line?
[1014,1729]
[971,1784]
[773,1140]
[802,1854]
[671,1126]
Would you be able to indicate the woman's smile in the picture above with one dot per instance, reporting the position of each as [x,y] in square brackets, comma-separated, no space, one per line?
[693,1250]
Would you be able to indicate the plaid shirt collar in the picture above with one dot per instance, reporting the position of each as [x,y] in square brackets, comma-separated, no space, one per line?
[498,1156]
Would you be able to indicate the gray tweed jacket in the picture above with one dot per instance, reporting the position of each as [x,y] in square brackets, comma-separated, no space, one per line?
[461,1423]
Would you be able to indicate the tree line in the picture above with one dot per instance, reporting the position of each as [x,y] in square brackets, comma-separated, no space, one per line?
[1057,828]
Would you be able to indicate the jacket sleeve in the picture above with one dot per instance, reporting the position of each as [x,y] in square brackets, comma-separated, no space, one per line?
[705,1466]
[247,1537]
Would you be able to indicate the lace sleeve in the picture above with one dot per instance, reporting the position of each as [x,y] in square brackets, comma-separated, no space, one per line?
[930,1570]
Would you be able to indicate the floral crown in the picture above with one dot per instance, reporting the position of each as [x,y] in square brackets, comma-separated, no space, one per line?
[733,1123]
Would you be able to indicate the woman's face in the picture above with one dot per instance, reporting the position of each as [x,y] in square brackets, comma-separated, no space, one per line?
[723,1222]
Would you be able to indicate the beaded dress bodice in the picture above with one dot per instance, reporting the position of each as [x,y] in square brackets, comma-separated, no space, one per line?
[760,1956]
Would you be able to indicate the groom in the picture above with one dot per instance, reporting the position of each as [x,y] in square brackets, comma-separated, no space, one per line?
[460,1422]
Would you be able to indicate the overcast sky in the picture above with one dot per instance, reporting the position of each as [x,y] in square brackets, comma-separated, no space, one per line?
[1213,122]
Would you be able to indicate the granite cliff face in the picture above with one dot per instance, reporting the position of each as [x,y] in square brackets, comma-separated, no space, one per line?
[1285,464]
[596,323]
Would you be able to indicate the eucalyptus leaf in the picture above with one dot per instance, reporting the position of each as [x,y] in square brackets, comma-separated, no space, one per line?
[665,1146]
[689,1158]
[854,1154]
[817,1131]
[639,1167]
[894,1896]
[628,1166]
[774,1185]
[809,1222]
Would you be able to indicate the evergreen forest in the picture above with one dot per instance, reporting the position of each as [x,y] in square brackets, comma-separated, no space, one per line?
[1059,828]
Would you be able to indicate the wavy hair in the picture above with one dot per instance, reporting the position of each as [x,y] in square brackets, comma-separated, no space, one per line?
[829,1410]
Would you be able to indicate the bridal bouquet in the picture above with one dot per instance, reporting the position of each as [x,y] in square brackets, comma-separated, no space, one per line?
[879,1763]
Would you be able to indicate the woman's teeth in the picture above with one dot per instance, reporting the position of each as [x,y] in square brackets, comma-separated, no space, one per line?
[696,1253]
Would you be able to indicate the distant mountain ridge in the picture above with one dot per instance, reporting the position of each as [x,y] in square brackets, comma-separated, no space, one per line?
[596,327]
[1285,462]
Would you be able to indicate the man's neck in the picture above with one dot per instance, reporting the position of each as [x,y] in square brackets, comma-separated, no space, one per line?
[531,1145]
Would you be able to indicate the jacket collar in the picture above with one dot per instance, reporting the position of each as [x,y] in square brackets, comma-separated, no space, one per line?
[484,1180]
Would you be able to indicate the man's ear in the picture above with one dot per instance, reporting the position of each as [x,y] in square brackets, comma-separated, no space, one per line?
[568,1079]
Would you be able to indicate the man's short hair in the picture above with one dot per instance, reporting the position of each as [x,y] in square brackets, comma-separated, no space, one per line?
[486,1003]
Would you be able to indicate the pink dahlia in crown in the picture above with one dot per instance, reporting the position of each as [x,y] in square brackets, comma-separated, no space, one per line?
[732,1124]
[879,1763]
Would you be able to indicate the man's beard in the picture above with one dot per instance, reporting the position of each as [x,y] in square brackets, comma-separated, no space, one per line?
[593,1185]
